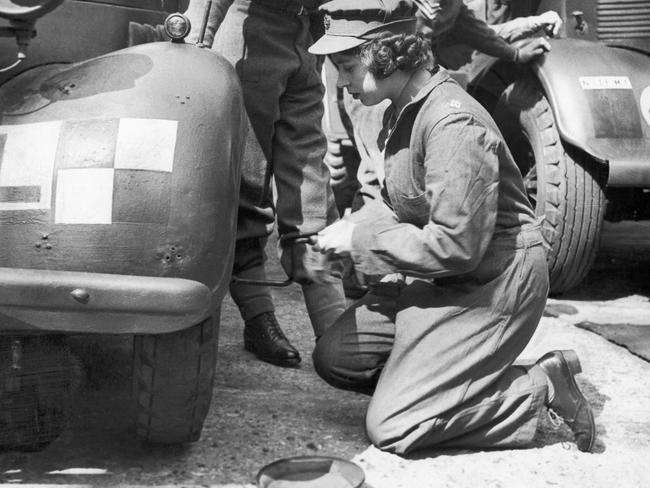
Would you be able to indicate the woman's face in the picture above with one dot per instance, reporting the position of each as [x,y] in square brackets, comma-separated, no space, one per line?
[358,81]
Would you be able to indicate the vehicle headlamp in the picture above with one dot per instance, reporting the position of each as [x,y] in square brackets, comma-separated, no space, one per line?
[177,26]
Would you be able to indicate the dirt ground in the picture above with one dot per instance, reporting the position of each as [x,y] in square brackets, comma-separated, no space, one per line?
[261,413]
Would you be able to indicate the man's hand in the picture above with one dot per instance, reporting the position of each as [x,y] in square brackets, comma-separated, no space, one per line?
[550,21]
[532,49]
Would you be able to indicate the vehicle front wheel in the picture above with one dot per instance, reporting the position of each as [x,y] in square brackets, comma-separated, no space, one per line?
[173,376]
[564,185]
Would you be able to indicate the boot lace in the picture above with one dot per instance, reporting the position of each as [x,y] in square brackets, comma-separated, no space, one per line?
[272,328]
[557,421]
[555,418]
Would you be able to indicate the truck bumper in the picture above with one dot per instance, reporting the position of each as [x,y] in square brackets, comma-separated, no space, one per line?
[37,301]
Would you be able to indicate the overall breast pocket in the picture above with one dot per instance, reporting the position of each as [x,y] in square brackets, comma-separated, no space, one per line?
[413,209]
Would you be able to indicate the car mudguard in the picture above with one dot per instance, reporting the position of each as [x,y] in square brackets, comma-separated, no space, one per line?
[10,9]
[600,97]
[125,164]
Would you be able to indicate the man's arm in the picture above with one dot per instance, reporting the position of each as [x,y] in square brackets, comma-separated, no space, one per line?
[478,35]
[472,31]
[196,13]
[521,27]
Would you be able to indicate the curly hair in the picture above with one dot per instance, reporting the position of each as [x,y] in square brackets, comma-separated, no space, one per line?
[389,52]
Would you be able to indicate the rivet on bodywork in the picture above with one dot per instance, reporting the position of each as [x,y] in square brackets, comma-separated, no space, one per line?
[82,296]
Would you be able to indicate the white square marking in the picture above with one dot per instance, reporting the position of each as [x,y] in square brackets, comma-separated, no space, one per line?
[84,196]
[28,160]
[146,144]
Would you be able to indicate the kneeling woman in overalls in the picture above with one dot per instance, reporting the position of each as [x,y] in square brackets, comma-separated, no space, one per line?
[436,347]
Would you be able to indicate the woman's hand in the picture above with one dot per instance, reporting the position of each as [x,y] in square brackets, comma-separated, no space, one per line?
[336,239]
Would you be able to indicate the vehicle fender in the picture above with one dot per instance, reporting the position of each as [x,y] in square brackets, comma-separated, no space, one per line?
[125,164]
[31,11]
[600,97]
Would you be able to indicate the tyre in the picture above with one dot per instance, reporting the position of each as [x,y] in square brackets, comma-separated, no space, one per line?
[564,185]
[173,376]
[36,391]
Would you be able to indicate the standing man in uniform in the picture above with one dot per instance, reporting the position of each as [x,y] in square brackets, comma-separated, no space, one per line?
[267,42]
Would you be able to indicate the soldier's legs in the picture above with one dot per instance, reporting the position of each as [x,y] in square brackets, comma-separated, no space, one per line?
[262,333]
[252,300]
[305,202]
[267,47]
[250,40]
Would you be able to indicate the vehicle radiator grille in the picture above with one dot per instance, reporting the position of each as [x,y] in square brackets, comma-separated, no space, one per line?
[623,20]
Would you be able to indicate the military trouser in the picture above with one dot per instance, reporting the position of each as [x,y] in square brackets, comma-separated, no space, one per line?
[267,42]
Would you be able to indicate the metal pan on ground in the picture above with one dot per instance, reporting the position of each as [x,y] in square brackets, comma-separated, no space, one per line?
[310,472]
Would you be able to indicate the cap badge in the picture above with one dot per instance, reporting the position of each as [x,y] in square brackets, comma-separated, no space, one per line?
[327,21]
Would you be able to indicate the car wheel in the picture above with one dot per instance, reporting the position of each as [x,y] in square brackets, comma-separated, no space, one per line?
[564,185]
[173,376]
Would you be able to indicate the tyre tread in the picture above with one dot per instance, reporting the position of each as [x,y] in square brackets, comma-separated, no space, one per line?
[173,375]
[570,192]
